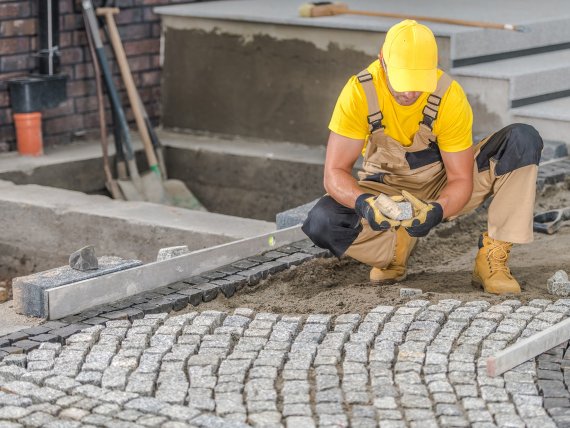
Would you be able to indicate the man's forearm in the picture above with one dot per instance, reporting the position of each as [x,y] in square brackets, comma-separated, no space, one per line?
[342,186]
[455,196]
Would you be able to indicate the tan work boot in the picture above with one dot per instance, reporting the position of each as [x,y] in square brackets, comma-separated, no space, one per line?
[491,270]
[397,269]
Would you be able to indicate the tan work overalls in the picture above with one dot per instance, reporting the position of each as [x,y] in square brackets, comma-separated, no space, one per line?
[389,167]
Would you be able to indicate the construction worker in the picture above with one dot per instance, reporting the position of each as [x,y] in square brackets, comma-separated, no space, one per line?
[413,125]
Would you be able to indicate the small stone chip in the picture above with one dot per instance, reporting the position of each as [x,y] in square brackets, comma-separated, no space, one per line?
[558,284]
[410,292]
[84,259]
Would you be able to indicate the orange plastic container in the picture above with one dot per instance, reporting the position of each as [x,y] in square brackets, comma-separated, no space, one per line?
[29,133]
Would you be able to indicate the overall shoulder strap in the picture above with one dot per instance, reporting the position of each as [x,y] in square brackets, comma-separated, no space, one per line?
[374,114]
[434,100]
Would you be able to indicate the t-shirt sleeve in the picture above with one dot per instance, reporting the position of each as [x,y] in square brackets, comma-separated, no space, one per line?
[350,112]
[453,126]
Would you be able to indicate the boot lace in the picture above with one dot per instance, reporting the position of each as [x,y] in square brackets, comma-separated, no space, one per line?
[498,256]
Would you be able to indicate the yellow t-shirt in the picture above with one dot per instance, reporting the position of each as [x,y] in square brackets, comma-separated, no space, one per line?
[452,126]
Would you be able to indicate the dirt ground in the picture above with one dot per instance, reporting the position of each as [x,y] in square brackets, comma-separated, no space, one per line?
[441,267]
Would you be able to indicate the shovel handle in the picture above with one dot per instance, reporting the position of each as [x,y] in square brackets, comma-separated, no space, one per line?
[132,92]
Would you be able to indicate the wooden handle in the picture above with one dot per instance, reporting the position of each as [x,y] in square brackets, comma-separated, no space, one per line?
[130,85]
[480,24]
[102,11]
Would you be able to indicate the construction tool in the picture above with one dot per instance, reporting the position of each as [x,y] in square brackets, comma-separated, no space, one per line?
[550,221]
[172,192]
[131,190]
[528,348]
[110,183]
[154,190]
[313,10]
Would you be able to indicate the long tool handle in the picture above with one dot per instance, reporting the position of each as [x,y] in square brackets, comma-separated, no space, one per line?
[113,95]
[467,23]
[111,184]
[107,76]
[132,92]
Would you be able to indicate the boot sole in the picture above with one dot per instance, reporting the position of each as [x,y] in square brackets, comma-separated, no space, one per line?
[388,281]
[477,282]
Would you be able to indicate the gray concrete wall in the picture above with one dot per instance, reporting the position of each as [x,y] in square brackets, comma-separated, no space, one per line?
[245,186]
[260,80]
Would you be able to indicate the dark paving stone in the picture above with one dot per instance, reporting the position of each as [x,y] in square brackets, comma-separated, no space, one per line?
[14,337]
[73,319]
[165,291]
[209,291]
[305,243]
[550,403]
[549,374]
[179,301]
[238,280]
[548,365]
[177,286]
[194,295]
[155,306]
[195,280]
[295,259]
[259,259]
[121,304]
[213,275]
[256,274]
[552,389]
[64,332]
[227,287]
[317,252]
[4,342]
[12,350]
[228,270]
[125,314]
[244,264]
[96,321]
[3,354]
[287,249]
[274,254]
[34,331]
[26,344]
[149,295]
[46,337]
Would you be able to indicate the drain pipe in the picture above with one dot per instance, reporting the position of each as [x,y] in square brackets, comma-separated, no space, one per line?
[47,89]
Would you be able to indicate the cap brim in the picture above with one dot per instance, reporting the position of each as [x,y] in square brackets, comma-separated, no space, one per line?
[403,80]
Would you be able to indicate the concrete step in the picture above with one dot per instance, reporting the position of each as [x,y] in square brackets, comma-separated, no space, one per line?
[522,81]
[551,118]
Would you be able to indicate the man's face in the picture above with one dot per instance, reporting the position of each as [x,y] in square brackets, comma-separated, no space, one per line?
[402,98]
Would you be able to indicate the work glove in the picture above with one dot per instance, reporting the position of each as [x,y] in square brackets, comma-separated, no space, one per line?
[366,209]
[427,215]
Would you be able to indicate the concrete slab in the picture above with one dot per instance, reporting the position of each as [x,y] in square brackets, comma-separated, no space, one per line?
[528,76]
[30,291]
[551,118]
[286,12]
[73,298]
[547,20]
[46,225]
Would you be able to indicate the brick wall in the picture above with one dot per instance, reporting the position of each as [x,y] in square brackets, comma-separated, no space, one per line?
[77,117]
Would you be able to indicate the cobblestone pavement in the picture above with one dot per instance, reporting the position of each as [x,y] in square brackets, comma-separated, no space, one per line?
[418,365]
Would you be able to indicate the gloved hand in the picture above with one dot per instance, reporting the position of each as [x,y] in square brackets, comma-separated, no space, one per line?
[427,215]
[366,209]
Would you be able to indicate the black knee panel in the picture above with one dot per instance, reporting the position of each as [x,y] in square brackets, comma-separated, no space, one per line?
[332,226]
[513,147]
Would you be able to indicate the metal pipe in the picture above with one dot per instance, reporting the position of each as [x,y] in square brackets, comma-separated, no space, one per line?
[48,37]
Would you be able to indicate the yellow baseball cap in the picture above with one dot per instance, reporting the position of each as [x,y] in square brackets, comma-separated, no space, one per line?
[410,54]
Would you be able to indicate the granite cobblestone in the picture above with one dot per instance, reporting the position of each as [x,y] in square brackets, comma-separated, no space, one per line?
[420,364]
